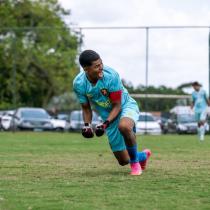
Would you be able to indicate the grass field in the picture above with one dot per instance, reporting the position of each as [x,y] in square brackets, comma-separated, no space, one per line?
[55,171]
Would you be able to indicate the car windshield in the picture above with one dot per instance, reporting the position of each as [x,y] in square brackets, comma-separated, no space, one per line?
[147,118]
[186,118]
[76,116]
[62,117]
[34,114]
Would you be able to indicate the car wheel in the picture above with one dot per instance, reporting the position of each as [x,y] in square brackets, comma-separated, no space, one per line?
[59,129]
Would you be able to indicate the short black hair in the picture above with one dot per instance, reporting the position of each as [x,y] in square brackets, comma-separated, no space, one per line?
[87,57]
[196,84]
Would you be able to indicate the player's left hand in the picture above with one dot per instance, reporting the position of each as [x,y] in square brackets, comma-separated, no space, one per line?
[100,129]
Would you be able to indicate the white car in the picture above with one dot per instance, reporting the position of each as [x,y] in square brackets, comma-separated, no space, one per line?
[60,125]
[146,124]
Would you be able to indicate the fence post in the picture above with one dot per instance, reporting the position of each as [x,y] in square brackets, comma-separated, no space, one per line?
[146,74]
[14,91]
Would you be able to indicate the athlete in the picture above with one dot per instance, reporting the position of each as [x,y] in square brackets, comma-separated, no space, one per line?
[199,103]
[100,86]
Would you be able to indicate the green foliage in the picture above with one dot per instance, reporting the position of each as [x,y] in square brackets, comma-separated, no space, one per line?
[37,45]
[65,102]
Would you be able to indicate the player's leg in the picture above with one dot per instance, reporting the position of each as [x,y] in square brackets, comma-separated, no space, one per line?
[117,143]
[122,157]
[126,127]
[129,117]
[118,146]
[197,118]
[202,121]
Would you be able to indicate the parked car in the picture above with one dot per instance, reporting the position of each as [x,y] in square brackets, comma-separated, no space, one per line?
[146,124]
[162,121]
[182,123]
[76,120]
[36,119]
[63,116]
[60,125]
[6,120]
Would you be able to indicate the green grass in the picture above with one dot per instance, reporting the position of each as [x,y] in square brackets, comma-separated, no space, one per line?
[55,171]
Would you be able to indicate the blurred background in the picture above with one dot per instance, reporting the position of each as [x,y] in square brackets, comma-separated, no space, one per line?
[158,48]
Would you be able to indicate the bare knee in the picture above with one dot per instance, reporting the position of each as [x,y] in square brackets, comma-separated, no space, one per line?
[122,157]
[124,128]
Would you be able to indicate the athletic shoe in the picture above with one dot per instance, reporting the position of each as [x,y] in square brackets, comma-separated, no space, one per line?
[144,163]
[135,169]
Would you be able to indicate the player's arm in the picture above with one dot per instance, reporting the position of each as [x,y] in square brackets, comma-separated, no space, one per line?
[207,99]
[87,130]
[115,98]
[87,113]
[192,104]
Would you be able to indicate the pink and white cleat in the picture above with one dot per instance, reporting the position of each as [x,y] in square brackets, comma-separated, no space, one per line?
[144,163]
[135,169]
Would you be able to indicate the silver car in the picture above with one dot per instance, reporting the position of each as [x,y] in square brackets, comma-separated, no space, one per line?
[76,120]
[35,119]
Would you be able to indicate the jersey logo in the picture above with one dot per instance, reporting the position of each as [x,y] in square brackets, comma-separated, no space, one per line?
[104,92]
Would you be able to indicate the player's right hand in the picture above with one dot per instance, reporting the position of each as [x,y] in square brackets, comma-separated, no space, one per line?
[87,131]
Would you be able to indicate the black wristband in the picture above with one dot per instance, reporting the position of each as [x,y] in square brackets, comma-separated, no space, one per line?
[106,122]
[87,124]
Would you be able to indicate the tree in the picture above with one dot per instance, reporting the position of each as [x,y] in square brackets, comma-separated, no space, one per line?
[65,102]
[35,43]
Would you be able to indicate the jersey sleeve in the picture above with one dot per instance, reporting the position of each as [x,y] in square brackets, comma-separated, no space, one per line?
[80,93]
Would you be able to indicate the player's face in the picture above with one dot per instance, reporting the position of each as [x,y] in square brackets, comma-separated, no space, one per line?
[196,87]
[95,71]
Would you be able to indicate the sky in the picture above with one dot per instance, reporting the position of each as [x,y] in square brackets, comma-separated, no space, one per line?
[176,56]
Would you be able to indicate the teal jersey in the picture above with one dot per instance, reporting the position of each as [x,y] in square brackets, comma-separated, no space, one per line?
[199,98]
[98,94]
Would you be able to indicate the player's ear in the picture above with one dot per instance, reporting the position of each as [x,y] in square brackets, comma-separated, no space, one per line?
[84,68]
